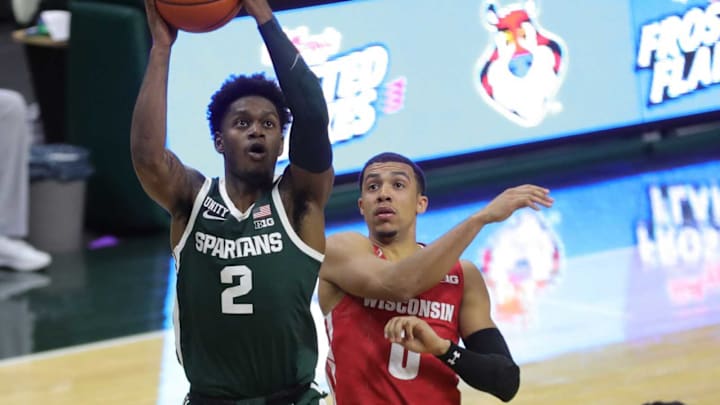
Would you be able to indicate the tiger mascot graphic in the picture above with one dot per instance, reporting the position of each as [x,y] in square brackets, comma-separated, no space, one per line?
[523,68]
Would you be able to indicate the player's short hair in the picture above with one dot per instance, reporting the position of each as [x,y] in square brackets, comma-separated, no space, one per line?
[395,157]
[236,87]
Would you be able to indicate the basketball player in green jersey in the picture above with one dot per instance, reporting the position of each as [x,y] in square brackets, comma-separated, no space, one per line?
[247,249]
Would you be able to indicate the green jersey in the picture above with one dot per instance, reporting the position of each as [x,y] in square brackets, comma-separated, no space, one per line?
[242,317]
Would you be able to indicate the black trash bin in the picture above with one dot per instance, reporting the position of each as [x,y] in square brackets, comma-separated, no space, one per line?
[58,175]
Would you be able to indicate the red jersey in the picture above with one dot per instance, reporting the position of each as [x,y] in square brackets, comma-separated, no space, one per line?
[363,367]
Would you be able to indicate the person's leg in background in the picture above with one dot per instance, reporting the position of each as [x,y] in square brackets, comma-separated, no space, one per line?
[15,140]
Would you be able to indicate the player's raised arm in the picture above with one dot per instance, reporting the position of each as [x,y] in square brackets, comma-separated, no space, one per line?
[310,170]
[351,265]
[161,173]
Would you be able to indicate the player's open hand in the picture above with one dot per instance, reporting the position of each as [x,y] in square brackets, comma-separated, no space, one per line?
[415,335]
[162,33]
[512,199]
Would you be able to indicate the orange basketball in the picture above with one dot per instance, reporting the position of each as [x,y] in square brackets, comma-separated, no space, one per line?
[198,15]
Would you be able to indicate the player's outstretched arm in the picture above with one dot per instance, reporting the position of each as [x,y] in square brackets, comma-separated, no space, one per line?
[485,363]
[161,174]
[351,265]
[311,173]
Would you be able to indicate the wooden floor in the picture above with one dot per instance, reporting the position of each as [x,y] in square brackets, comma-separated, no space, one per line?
[124,371]
[683,366]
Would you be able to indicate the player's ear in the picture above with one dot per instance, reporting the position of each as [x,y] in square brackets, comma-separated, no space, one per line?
[218,140]
[422,204]
[360,206]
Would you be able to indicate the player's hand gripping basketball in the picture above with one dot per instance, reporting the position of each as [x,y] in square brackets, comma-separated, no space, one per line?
[512,199]
[258,9]
[162,33]
[415,335]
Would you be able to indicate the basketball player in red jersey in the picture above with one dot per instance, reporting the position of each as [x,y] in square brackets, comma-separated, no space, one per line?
[396,309]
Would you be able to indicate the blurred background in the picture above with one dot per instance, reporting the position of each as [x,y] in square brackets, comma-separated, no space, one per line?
[611,296]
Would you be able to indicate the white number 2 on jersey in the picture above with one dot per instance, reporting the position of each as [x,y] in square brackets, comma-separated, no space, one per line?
[395,365]
[227,276]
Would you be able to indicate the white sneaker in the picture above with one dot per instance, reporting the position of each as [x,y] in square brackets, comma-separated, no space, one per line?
[19,255]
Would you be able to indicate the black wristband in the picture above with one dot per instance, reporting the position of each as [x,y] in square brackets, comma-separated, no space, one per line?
[452,355]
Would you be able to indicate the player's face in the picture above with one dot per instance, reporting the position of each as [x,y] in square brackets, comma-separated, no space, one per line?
[390,200]
[251,139]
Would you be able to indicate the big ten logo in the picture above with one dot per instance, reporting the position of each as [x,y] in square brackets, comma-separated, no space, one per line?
[522,258]
[523,66]
[354,83]
[264,223]
[682,238]
[682,52]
